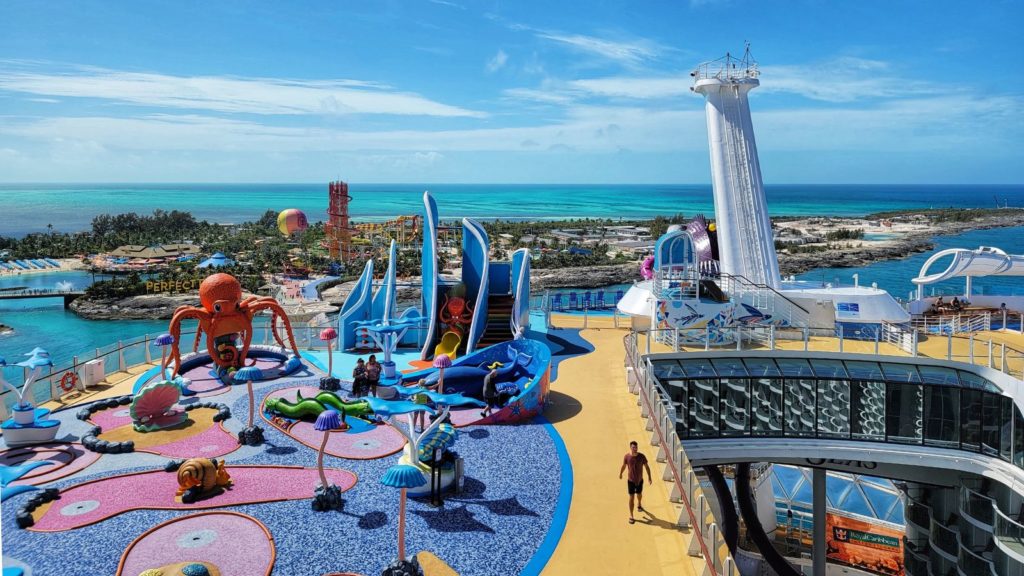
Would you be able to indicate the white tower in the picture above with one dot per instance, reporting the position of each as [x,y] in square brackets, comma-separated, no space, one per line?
[745,243]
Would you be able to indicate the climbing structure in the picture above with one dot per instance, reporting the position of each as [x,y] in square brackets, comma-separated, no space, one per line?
[339,231]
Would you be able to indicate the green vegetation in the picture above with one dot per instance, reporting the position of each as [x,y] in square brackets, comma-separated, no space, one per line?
[845,234]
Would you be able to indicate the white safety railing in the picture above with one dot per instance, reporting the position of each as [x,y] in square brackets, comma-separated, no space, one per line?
[899,336]
[121,355]
[706,539]
[953,323]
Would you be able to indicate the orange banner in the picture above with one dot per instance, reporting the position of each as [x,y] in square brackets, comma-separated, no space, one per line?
[863,545]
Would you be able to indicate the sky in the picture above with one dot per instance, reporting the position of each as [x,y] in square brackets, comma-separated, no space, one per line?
[457,91]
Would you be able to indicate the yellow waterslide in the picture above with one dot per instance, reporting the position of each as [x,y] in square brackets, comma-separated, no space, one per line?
[449,344]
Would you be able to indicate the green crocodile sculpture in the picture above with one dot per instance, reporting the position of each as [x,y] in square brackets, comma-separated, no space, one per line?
[306,408]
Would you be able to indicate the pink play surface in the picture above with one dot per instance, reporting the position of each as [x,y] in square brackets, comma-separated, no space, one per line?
[98,500]
[377,442]
[212,537]
[464,416]
[205,384]
[67,459]
[210,443]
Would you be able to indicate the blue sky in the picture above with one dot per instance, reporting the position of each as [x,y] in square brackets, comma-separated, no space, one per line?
[432,91]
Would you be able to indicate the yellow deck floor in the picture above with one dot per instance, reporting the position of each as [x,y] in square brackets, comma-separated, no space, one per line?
[596,417]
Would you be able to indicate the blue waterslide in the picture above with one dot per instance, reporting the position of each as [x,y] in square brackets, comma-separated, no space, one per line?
[357,308]
[429,266]
[521,290]
[384,300]
[475,265]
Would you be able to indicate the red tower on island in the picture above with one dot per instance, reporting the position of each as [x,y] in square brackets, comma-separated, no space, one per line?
[339,231]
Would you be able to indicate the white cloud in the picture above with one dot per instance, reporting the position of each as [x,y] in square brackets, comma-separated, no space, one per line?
[626,52]
[447,3]
[497,62]
[230,94]
[844,79]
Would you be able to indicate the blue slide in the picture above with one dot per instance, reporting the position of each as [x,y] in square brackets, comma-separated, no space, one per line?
[357,308]
[428,297]
[475,266]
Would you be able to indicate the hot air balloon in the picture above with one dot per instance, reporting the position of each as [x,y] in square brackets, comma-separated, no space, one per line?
[291,221]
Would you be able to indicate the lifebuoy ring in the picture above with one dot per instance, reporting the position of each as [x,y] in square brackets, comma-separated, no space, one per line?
[68,381]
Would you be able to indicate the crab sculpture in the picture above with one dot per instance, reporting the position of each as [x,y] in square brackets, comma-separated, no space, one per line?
[456,313]
[226,319]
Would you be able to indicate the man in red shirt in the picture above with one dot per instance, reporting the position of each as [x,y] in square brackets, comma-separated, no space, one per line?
[635,462]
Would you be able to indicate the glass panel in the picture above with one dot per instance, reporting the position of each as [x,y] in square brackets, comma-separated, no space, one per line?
[727,367]
[990,428]
[677,396]
[938,375]
[867,410]
[1006,428]
[824,368]
[834,408]
[863,370]
[1018,438]
[942,416]
[900,372]
[735,407]
[970,419]
[698,368]
[794,367]
[903,413]
[761,367]
[799,399]
[665,369]
[703,408]
[766,398]
[971,380]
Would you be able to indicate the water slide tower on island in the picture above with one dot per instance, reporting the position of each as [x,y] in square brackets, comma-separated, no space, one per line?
[745,243]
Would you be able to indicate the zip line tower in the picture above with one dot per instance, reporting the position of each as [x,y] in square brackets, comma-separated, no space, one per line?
[339,230]
[746,246]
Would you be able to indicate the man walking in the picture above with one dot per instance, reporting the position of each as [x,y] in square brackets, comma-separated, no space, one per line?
[636,463]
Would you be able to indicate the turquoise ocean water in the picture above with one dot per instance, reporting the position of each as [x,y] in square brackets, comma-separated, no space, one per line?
[29,208]
[45,322]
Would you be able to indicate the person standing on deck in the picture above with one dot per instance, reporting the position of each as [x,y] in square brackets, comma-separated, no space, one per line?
[636,463]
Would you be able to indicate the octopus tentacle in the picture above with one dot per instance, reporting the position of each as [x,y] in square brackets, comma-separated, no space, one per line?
[183,313]
[276,311]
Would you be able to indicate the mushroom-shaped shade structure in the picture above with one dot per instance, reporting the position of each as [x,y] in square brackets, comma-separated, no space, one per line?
[403,476]
[328,420]
[389,408]
[163,340]
[328,334]
[37,357]
[442,361]
[248,374]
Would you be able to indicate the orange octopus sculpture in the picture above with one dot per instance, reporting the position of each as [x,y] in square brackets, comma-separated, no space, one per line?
[226,318]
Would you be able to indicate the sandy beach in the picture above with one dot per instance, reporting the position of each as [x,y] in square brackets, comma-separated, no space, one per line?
[66,265]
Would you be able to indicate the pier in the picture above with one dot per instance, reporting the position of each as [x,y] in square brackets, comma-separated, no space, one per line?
[69,296]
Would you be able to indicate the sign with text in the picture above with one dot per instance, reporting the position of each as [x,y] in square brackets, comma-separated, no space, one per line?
[864,545]
[172,286]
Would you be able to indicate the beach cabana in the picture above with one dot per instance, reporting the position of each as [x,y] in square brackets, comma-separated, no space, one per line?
[218,260]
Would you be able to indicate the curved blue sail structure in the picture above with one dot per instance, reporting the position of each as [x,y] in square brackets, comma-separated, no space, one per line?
[357,308]
[520,290]
[475,264]
[384,300]
[428,297]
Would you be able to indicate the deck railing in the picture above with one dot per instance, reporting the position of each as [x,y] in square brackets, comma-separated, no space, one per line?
[123,354]
[706,539]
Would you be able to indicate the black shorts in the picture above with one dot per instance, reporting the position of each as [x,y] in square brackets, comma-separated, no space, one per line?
[635,487]
[493,402]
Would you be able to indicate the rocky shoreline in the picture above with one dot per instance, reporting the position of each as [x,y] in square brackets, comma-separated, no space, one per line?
[146,307]
[852,255]
[5,329]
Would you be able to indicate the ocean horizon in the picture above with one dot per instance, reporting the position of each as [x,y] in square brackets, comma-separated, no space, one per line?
[30,208]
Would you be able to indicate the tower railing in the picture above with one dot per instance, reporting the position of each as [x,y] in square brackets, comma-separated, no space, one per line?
[728,67]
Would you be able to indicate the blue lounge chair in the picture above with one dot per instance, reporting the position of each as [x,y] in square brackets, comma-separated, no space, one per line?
[573,302]
[556,302]
[586,300]
[618,295]
[599,303]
